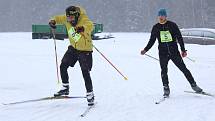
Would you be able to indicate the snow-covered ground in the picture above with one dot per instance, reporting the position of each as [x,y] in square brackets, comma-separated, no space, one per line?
[27,69]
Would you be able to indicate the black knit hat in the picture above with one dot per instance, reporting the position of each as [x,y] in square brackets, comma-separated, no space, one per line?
[73,10]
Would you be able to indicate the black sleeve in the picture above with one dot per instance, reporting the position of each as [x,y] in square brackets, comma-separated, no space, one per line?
[152,39]
[179,37]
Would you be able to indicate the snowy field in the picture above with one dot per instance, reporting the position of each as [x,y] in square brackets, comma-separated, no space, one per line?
[28,71]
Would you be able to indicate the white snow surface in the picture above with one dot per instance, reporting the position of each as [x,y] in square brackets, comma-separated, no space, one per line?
[28,71]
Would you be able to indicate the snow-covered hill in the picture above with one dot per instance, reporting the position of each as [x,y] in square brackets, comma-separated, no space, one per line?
[27,69]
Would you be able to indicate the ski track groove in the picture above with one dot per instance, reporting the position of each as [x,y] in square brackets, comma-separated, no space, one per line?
[52,110]
[57,111]
[42,113]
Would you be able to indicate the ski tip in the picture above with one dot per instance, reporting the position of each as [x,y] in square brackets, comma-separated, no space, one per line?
[203,93]
[156,102]
[8,103]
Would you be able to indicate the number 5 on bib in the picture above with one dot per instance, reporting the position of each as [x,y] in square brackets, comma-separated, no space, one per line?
[165,36]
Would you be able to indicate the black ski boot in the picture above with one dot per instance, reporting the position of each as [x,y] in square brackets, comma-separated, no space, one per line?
[196,88]
[166,91]
[90,98]
[64,91]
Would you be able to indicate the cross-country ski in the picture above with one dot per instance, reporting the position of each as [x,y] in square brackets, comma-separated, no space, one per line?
[43,99]
[201,93]
[88,109]
[161,100]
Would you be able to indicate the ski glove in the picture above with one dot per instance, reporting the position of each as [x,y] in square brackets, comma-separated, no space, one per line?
[79,29]
[143,52]
[184,53]
[52,24]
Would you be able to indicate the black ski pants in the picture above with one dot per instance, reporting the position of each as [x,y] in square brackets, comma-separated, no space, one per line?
[178,61]
[85,61]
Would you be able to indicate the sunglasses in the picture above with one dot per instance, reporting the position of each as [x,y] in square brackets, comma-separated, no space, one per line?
[71,13]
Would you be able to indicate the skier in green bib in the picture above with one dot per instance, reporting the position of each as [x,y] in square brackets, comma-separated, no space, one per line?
[79,28]
[167,33]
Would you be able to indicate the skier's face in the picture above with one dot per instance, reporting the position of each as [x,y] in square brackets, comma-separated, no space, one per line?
[70,18]
[162,19]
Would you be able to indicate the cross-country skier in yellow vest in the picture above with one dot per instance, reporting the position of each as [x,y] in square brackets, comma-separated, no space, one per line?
[79,28]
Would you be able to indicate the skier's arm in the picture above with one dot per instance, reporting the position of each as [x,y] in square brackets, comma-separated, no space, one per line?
[179,38]
[87,25]
[151,40]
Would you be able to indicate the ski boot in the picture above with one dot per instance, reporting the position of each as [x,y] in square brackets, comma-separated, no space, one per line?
[166,91]
[64,91]
[196,88]
[90,98]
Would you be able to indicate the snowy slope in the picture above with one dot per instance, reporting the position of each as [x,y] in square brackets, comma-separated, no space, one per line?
[28,71]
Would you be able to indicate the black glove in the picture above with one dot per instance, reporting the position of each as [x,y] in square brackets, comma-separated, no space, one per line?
[52,24]
[79,29]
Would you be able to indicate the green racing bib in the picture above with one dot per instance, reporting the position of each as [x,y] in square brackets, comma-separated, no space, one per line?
[72,33]
[166,36]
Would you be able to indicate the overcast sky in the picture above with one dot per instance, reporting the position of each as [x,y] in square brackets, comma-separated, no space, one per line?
[115,15]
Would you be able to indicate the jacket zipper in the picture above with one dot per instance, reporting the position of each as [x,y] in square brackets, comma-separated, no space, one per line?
[75,45]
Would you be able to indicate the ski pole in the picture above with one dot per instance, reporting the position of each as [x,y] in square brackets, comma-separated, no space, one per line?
[191,59]
[152,57]
[56,59]
[110,63]
[158,59]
